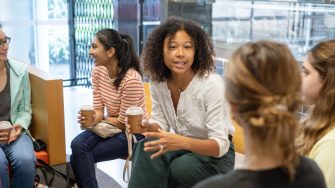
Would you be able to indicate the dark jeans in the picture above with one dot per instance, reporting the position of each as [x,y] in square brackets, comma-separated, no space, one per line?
[176,168]
[88,148]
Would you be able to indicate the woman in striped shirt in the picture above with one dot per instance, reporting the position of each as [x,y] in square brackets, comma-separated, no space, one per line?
[117,85]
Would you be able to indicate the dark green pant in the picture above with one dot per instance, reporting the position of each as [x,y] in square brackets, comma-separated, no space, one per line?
[176,169]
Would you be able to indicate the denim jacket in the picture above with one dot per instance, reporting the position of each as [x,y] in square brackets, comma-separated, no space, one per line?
[20,93]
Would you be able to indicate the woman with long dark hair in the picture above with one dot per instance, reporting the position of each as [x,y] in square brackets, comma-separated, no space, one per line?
[117,85]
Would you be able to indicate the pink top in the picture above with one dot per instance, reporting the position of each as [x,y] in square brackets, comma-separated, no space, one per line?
[130,92]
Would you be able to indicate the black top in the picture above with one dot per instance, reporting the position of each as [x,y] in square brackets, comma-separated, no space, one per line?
[5,98]
[308,175]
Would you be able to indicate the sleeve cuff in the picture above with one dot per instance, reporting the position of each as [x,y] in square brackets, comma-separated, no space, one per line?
[224,145]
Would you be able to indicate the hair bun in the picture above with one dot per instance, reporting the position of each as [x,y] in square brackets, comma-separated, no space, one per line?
[266,115]
[257,121]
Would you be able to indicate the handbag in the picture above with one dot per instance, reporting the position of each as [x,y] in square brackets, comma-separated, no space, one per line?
[104,129]
[39,145]
[54,176]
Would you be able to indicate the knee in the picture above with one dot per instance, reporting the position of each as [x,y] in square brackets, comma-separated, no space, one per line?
[178,177]
[182,173]
[138,146]
[24,163]
[139,153]
[3,163]
[72,161]
[177,171]
[77,144]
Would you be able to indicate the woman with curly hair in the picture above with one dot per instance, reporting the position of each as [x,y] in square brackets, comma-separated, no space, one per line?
[264,104]
[186,96]
[318,90]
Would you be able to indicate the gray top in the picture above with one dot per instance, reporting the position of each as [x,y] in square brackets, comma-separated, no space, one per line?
[5,98]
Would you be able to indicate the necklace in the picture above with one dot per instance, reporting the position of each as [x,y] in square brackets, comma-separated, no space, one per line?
[181,86]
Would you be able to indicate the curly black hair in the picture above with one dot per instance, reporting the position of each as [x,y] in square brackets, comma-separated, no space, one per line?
[152,60]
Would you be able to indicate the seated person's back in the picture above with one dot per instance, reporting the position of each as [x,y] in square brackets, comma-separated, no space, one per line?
[307,174]
[264,105]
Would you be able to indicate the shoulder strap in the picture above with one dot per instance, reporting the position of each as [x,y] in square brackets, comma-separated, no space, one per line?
[126,170]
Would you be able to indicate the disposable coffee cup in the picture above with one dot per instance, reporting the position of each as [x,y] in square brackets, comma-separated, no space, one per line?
[5,126]
[134,115]
[88,112]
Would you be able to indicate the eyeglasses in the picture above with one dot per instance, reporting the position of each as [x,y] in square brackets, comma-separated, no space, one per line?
[6,41]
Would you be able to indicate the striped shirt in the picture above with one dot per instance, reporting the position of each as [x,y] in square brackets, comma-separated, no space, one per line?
[130,93]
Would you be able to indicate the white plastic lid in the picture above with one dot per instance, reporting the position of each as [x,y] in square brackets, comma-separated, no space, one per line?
[134,111]
[86,107]
[5,125]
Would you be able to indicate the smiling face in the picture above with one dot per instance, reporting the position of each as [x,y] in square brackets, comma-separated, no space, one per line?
[100,56]
[179,53]
[3,47]
[311,82]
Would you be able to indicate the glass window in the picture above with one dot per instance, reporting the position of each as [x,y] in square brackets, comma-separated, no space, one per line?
[39,32]
[299,24]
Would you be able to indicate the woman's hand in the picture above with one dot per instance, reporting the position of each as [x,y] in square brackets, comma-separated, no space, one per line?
[83,120]
[15,132]
[165,142]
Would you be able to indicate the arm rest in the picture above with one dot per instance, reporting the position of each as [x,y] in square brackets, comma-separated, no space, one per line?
[48,113]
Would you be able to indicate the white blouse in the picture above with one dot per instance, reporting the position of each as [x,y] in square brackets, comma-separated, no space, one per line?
[202,110]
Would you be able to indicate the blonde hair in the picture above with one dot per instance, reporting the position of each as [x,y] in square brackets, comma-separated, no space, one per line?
[263,84]
[321,117]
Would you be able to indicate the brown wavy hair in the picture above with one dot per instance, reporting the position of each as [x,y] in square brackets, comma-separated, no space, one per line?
[321,117]
[263,86]
[152,60]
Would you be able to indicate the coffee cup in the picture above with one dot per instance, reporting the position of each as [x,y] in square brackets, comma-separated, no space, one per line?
[87,111]
[134,115]
[5,127]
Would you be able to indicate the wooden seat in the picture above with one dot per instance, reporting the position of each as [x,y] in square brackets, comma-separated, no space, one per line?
[238,138]
[48,116]
[148,103]
[48,113]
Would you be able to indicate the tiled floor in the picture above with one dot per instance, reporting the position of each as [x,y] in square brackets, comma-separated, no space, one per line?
[74,97]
